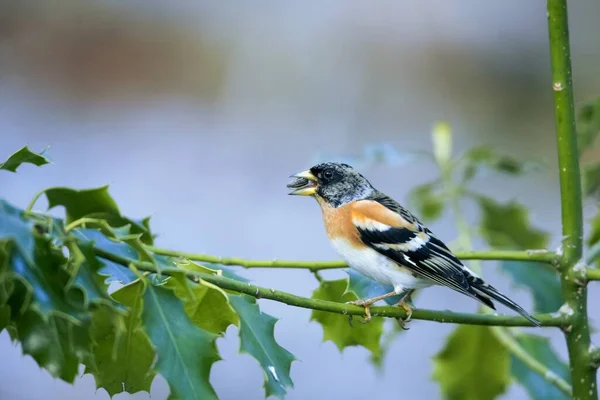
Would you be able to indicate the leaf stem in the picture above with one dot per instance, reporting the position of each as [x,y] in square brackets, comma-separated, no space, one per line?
[574,288]
[34,200]
[339,308]
[528,255]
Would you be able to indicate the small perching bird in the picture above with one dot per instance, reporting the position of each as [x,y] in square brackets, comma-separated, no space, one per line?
[382,240]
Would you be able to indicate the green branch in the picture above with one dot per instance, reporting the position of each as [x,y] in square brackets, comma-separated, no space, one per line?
[529,255]
[573,289]
[593,274]
[339,308]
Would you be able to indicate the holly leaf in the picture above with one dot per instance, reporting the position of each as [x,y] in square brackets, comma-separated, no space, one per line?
[15,228]
[257,339]
[114,272]
[88,278]
[185,353]
[485,156]
[206,305]
[55,343]
[538,387]
[507,226]
[79,203]
[473,365]
[7,323]
[95,203]
[24,156]
[122,351]
[364,288]
[428,200]
[541,279]
[336,327]
[46,280]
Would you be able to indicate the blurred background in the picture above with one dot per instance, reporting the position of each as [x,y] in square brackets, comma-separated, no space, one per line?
[195,112]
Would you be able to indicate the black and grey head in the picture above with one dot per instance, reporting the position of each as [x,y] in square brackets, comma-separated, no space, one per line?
[335,183]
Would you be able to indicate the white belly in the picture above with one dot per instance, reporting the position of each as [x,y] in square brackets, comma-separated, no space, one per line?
[378,267]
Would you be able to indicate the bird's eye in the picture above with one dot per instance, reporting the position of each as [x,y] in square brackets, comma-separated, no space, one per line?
[327,174]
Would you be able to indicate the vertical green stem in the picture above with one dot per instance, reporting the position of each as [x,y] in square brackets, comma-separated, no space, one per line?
[573,287]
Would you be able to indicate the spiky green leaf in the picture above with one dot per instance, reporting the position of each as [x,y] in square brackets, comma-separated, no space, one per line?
[47,281]
[58,345]
[473,365]
[537,386]
[257,339]
[207,305]
[507,226]
[337,328]
[485,156]
[79,203]
[16,228]
[185,353]
[365,288]
[112,271]
[88,277]
[98,204]
[22,156]
[541,279]
[122,351]
[428,201]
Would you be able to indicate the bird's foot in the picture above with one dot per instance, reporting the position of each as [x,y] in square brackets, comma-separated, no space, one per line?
[366,304]
[409,311]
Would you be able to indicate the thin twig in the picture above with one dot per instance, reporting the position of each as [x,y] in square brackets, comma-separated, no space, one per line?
[556,320]
[593,274]
[528,255]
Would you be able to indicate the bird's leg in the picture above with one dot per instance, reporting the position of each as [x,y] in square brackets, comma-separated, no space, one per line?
[407,307]
[367,303]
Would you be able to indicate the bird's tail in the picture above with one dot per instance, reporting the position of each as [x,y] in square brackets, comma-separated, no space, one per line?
[485,292]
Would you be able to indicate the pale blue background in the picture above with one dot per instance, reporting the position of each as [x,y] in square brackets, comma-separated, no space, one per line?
[196,112]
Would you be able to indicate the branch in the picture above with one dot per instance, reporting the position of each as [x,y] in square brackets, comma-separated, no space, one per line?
[593,274]
[528,255]
[574,292]
[339,308]
[518,351]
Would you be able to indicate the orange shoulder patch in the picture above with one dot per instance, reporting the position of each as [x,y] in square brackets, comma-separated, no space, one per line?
[368,212]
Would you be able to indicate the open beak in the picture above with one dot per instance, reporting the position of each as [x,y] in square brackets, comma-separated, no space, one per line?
[304,184]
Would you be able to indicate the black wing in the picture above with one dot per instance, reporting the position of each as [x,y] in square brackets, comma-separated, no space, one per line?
[418,249]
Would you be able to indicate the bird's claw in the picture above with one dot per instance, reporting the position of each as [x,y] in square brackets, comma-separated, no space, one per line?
[409,311]
[366,305]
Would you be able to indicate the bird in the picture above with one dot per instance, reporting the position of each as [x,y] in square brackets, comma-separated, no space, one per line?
[385,242]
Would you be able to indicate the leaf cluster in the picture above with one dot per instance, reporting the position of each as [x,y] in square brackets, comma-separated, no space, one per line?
[55,300]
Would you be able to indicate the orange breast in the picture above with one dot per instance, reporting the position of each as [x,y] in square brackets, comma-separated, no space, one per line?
[338,223]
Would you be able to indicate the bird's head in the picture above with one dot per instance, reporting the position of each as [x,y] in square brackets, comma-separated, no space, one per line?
[335,183]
